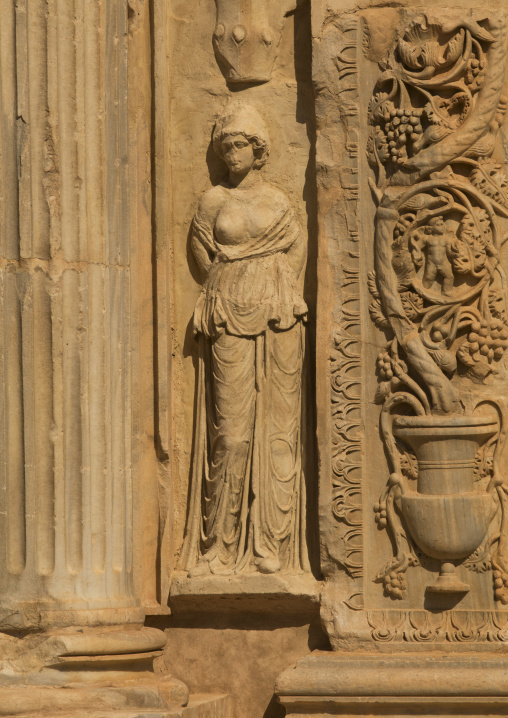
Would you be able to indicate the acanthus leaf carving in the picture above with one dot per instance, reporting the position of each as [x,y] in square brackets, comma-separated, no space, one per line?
[444,627]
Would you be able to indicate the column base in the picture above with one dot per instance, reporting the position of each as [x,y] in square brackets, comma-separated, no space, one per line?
[80,655]
[396,685]
[136,701]
[90,673]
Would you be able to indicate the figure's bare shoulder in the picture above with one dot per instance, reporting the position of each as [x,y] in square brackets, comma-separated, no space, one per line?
[211,203]
[277,195]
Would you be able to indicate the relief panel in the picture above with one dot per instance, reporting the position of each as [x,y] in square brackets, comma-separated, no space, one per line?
[413,502]
[236,289]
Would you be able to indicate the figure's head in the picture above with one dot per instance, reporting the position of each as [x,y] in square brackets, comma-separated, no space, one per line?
[437,225]
[240,138]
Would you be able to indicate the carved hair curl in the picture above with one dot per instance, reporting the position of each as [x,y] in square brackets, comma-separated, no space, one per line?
[243,120]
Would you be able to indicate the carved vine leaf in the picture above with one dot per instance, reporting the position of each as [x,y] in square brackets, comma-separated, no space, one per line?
[490,179]
[479,561]
[409,465]
[383,389]
[378,316]
[372,284]
[421,47]
[413,305]
[497,305]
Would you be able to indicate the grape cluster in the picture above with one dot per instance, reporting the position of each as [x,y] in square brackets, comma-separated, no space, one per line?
[475,73]
[380,515]
[500,586]
[403,126]
[487,340]
[439,331]
[384,366]
[395,584]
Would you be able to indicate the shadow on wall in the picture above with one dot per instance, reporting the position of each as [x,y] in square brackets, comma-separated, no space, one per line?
[305,114]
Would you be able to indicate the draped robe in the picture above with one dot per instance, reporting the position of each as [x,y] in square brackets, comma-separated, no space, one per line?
[247,499]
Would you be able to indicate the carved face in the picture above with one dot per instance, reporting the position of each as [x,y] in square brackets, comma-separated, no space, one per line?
[437,225]
[238,154]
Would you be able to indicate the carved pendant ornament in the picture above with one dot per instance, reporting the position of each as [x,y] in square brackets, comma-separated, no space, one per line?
[247,36]
[247,503]
[439,292]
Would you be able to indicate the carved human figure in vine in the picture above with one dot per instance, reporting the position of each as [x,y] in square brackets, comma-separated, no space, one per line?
[433,247]
[439,293]
[247,504]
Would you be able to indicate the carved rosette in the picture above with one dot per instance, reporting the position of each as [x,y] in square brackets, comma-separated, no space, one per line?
[439,293]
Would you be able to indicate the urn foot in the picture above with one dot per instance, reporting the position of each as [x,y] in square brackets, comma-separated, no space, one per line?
[447,581]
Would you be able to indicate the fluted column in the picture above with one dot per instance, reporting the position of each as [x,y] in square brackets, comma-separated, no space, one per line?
[65,399]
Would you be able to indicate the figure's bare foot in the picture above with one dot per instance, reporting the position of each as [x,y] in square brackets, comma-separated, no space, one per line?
[268,565]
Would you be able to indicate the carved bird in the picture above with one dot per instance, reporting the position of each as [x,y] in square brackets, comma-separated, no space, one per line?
[474,28]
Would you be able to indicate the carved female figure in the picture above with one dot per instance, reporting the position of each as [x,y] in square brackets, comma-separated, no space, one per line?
[247,499]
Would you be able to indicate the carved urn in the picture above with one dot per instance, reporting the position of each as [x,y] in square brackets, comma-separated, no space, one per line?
[447,517]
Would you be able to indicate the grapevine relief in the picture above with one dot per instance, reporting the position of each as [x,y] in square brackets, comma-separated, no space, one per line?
[439,293]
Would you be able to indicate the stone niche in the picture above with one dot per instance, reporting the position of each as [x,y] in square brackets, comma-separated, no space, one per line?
[235,626]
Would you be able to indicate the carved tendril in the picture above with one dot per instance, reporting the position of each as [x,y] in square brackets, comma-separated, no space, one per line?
[392,574]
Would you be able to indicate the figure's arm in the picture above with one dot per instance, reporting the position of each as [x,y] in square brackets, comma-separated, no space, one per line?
[202,240]
[297,255]
[201,254]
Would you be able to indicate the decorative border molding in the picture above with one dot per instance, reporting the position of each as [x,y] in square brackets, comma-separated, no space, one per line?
[346,365]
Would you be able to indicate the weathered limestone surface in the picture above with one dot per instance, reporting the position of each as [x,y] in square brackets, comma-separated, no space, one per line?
[98,364]
[66,426]
[186,166]
[253,358]
[255,610]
